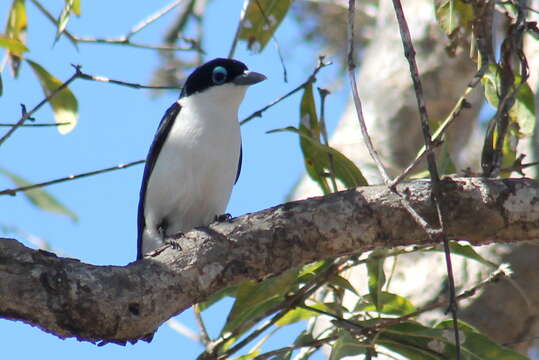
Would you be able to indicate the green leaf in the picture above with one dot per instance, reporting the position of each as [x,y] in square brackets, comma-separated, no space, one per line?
[16,29]
[389,303]
[255,298]
[523,110]
[249,356]
[476,345]
[299,314]
[347,345]
[445,163]
[467,251]
[260,20]
[64,104]
[305,337]
[39,197]
[377,277]
[63,19]
[343,283]
[317,162]
[453,14]
[415,341]
[76,7]
[229,291]
[12,45]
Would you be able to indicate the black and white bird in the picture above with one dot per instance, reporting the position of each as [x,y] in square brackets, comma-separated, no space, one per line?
[195,157]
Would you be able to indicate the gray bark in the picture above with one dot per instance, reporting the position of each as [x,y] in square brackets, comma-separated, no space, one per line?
[117,304]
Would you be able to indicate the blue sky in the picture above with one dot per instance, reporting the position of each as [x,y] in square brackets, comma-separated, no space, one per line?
[116,125]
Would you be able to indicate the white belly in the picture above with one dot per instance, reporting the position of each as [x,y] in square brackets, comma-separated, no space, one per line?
[194,174]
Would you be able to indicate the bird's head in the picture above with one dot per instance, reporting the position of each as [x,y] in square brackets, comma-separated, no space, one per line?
[226,78]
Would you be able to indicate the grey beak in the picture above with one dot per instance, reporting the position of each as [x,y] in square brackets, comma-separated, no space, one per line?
[249,78]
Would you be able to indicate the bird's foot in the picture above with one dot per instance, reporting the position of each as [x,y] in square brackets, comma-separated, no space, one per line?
[223,217]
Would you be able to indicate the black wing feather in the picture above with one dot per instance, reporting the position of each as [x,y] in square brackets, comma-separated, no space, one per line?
[239,164]
[163,130]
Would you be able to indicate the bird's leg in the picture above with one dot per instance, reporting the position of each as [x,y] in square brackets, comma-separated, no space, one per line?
[223,217]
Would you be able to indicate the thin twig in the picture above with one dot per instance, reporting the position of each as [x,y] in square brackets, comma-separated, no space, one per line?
[85,76]
[494,277]
[409,53]
[355,94]
[122,40]
[69,178]
[28,114]
[150,19]
[393,183]
[310,79]
[274,39]
[36,125]
[238,30]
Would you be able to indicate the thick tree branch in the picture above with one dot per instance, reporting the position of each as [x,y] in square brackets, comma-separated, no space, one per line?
[117,304]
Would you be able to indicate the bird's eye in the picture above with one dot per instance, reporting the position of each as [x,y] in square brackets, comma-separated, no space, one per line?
[219,75]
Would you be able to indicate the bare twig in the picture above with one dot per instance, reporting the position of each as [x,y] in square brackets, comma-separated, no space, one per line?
[494,277]
[310,79]
[85,76]
[355,94]
[439,233]
[36,125]
[28,114]
[238,30]
[69,178]
[150,19]
[122,40]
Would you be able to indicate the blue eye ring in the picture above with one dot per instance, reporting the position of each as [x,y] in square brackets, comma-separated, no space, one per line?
[219,75]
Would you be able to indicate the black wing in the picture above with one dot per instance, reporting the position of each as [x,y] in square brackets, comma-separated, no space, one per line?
[239,165]
[162,131]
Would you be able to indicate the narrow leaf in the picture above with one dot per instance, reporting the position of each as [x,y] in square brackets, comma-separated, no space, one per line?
[377,277]
[229,291]
[260,20]
[63,19]
[477,345]
[64,104]
[254,298]
[40,197]
[454,14]
[12,45]
[299,314]
[347,345]
[391,304]
[16,29]
[76,7]
[467,251]
[317,162]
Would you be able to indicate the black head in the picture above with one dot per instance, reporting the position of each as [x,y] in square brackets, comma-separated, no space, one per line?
[215,72]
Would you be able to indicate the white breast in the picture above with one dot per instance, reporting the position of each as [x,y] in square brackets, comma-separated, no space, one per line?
[193,176]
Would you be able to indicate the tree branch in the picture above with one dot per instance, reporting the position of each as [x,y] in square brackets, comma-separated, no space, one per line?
[117,304]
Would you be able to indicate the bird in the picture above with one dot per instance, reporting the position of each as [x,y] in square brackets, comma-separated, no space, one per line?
[195,157]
